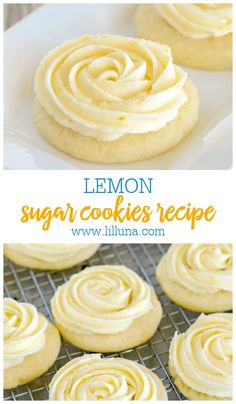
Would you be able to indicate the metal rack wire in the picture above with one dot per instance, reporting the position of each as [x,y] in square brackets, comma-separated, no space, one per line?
[38,287]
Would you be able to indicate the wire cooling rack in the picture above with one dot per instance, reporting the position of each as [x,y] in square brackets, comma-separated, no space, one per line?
[38,287]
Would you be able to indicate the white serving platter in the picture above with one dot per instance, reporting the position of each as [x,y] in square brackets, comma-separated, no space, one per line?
[209,146]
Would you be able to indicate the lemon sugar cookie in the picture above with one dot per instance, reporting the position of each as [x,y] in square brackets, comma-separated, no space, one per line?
[106,309]
[200,359]
[199,35]
[198,277]
[31,343]
[92,378]
[110,99]
[49,256]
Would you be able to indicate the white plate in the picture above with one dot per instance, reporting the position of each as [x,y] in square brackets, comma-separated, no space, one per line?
[209,145]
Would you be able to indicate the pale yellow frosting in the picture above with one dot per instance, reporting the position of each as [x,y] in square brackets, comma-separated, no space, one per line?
[198,21]
[106,86]
[201,268]
[50,254]
[202,356]
[94,378]
[24,332]
[101,299]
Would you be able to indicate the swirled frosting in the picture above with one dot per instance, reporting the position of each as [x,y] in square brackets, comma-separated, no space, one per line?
[198,20]
[201,268]
[94,378]
[202,356]
[24,332]
[49,254]
[101,299]
[106,86]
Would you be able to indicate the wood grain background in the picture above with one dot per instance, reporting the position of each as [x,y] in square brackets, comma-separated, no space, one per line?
[15,12]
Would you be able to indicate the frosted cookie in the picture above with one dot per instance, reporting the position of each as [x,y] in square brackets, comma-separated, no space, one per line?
[110,99]
[200,359]
[198,277]
[92,378]
[31,343]
[200,35]
[106,309]
[49,256]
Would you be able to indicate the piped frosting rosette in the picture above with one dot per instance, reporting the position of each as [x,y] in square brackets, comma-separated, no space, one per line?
[201,268]
[49,256]
[24,332]
[198,20]
[106,86]
[94,378]
[101,299]
[201,358]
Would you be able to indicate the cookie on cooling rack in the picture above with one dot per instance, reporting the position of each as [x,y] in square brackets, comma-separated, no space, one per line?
[112,99]
[92,378]
[200,359]
[31,343]
[199,35]
[106,309]
[49,256]
[198,277]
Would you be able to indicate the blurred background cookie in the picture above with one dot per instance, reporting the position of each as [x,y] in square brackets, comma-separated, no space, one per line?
[200,35]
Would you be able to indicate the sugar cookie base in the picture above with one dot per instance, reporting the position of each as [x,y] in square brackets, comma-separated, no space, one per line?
[139,332]
[209,53]
[188,392]
[36,364]
[128,148]
[197,302]
[34,263]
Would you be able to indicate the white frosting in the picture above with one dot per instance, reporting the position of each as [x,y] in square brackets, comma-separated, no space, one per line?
[101,299]
[24,332]
[106,86]
[198,21]
[94,378]
[202,356]
[50,254]
[201,268]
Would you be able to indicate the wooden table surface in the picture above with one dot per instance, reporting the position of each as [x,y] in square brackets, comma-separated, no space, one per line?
[15,12]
